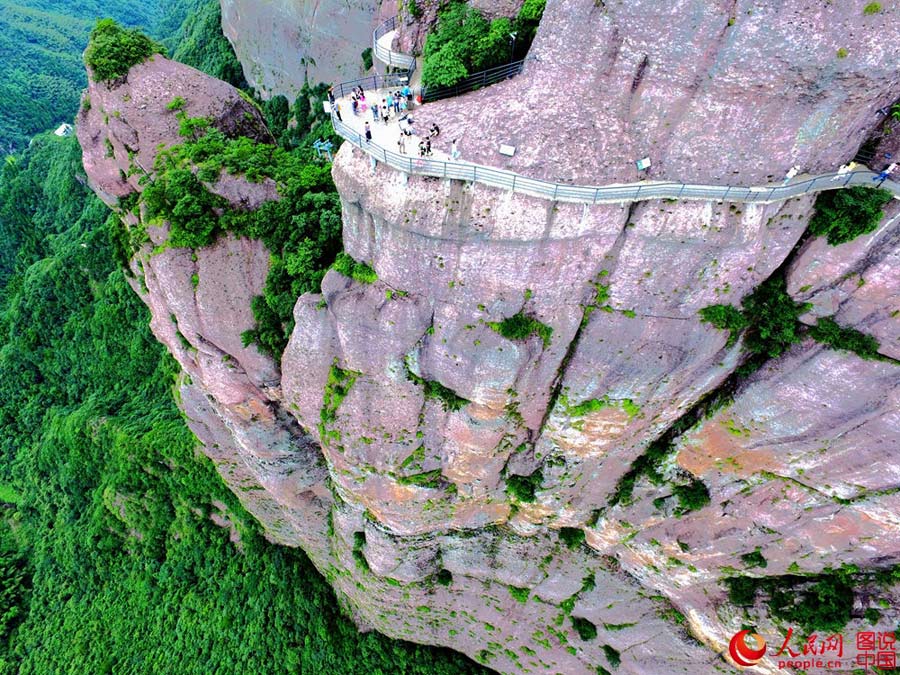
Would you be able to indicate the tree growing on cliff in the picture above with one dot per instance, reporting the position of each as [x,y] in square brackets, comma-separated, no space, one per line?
[843,215]
[113,50]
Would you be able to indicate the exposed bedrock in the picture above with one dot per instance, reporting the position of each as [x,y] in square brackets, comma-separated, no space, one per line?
[281,43]
[732,92]
[428,459]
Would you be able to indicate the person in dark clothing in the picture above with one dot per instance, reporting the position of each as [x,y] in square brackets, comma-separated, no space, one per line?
[368,133]
[434,131]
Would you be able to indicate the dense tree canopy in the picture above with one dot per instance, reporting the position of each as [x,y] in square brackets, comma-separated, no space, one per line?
[109,559]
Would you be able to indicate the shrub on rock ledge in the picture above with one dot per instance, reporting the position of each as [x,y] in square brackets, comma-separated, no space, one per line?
[113,50]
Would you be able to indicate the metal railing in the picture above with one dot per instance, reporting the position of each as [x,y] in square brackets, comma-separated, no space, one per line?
[385,54]
[473,82]
[370,83]
[584,194]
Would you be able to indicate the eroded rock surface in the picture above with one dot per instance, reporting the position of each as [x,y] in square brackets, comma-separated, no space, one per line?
[387,441]
[280,43]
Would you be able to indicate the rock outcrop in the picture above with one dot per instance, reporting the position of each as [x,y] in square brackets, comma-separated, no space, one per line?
[462,489]
[281,43]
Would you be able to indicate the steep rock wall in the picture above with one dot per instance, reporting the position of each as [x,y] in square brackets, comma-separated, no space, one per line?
[282,42]
[401,487]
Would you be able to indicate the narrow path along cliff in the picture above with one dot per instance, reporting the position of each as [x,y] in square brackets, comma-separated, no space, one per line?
[575,435]
[352,125]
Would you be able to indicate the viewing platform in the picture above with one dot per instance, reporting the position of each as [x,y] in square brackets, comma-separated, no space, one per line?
[384,147]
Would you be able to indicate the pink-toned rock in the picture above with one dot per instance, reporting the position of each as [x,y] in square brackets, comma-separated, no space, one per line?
[856,282]
[281,43]
[384,446]
[731,94]
[121,126]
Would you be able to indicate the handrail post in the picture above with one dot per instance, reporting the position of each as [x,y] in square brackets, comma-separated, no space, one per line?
[555,188]
[681,191]
[771,192]
[847,182]
[514,183]
[726,192]
[638,193]
[596,194]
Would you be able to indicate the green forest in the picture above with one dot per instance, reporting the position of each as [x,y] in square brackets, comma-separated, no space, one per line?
[41,42]
[109,560]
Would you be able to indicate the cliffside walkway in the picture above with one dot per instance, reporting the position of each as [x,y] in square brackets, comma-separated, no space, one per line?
[383,147]
[382,38]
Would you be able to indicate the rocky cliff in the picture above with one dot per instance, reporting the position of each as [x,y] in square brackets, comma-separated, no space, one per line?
[464,488]
[282,43]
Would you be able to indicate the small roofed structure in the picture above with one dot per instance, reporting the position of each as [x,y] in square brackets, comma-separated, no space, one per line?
[64,130]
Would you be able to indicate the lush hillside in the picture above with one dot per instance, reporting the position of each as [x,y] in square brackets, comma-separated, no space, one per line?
[110,561]
[41,42]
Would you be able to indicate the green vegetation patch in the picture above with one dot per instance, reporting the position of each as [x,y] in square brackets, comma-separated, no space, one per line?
[337,387]
[829,332]
[521,327]
[843,215]
[596,404]
[301,230]
[450,400]
[872,8]
[585,629]
[427,479]
[573,537]
[113,50]
[464,42]
[612,655]
[769,316]
[358,271]
[691,497]
[523,488]
[817,603]
[754,559]
[725,317]
[519,594]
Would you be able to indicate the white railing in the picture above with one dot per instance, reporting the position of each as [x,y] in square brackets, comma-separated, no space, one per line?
[585,194]
[385,54]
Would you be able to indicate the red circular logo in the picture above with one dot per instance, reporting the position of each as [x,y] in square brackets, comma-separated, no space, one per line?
[743,654]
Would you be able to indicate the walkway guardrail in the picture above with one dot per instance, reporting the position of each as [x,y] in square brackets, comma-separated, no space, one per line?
[473,82]
[584,194]
[385,54]
[370,83]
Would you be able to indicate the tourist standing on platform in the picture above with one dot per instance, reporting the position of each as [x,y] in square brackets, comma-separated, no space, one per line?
[374,112]
[368,133]
[454,151]
[354,104]
[396,102]
[337,111]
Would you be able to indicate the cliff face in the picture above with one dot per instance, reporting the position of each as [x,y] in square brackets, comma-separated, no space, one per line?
[282,42]
[388,440]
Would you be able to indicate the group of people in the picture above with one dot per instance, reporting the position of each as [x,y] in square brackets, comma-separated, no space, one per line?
[393,105]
